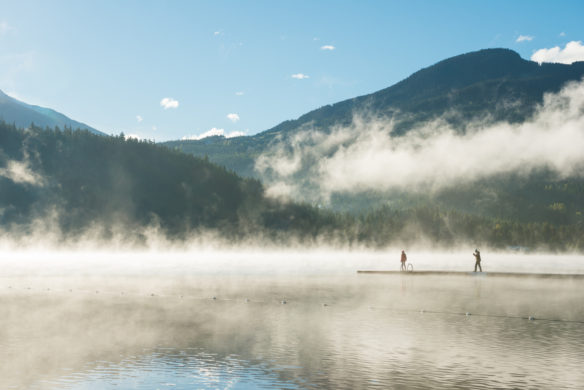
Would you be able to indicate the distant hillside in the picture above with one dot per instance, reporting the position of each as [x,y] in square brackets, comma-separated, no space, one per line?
[22,115]
[71,183]
[63,185]
[492,84]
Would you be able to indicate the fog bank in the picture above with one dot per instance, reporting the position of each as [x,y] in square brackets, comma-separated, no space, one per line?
[364,156]
[250,261]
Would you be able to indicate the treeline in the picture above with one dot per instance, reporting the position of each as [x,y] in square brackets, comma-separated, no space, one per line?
[85,180]
[452,228]
[77,182]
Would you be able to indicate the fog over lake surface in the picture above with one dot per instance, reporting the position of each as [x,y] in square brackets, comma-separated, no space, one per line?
[254,319]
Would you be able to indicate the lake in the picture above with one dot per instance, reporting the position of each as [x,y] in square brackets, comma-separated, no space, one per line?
[289,320]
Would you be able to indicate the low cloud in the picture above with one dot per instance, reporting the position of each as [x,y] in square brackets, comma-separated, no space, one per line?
[365,156]
[574,51]
[300,76]
[327,47]
[169,103]
[139,118]
[233,117]
[132,136]
[239,93]
[524,38]
[212,133]
[20,172]
[235,134]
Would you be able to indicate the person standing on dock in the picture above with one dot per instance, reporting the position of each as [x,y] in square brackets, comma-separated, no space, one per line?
[477,256]
[404,258]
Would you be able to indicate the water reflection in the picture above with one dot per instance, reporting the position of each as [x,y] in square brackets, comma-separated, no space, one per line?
[344,332]
[177,369]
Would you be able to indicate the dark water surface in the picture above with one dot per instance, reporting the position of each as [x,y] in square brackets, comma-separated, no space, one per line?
[338,332]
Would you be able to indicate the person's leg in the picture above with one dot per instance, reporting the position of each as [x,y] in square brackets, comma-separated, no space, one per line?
[480,268]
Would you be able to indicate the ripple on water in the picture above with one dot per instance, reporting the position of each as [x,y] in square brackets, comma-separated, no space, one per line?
[231,344]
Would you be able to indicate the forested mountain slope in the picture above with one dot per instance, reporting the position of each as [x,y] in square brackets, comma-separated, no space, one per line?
[65,184]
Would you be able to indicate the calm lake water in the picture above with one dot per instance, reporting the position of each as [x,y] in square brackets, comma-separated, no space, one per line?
[176,327]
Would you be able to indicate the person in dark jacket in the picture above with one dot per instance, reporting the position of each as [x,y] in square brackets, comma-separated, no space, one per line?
[477,256]
[404,258]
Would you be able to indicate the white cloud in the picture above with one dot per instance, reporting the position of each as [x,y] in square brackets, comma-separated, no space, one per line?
[300,76]
[239,93]
[364,156]
[523,38]
[139,118]
[562,34]
[327,47]
[132,136]
[574,51]
[154,128]
[212,133]
[233,117]
[169,103]
[235,134]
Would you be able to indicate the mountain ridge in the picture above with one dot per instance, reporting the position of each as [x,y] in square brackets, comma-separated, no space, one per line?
[473,85]
[493,65]
[23,115]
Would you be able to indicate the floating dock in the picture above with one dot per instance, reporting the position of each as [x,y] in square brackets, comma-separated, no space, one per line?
[476,274]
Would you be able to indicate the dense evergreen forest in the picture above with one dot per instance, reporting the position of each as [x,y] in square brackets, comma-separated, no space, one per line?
[75,182]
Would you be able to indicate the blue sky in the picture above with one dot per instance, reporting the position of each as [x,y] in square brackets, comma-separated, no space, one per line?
[229,66]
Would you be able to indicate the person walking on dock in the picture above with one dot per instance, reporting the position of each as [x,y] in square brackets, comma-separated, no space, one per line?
[404,258]
[477,256]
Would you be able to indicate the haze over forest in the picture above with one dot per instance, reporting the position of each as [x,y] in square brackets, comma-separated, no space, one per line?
[479,149]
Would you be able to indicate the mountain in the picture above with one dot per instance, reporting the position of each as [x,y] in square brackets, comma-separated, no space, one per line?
[66,186]
[490,84]
[75,182]
[473,85]
[22,115]
[71,187]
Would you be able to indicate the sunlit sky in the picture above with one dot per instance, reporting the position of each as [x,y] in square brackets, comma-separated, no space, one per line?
[166,70]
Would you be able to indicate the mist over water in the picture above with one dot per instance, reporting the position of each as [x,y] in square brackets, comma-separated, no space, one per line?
[295,319]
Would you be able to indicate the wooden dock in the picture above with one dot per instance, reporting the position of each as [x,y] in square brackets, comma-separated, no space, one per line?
[476,274]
